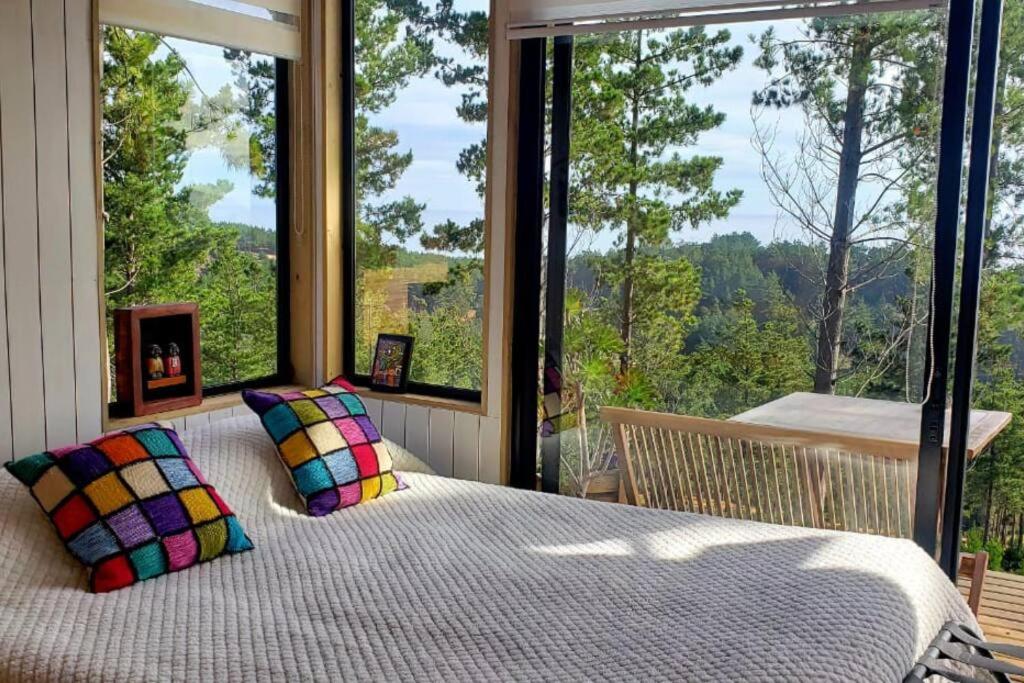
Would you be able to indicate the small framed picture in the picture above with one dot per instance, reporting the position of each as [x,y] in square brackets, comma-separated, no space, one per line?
[390,370]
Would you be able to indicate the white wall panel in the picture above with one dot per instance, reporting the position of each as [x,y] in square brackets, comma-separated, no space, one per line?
[373,410]
[467,446]
[442,435]
[21,227]
[392,421]
[53,205]
[50,355]
[417,431]
[490,450]
[78,35]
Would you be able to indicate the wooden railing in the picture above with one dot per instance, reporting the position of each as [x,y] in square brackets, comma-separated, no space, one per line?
[767,474]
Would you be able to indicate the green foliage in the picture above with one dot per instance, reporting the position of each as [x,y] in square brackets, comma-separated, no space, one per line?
[749,363]
[995,552]
[973,540]
[450,338]
[160,244]
[389,53]
[239,306]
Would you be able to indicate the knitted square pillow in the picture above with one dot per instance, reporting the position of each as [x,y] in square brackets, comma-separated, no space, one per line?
[131,505]
[330,446]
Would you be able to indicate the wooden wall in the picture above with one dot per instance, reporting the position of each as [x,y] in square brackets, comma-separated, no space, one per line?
[50,357]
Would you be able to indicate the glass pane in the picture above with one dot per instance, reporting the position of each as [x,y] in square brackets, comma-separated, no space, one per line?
[751,211]
[994,497]
[189,185]
[421,127]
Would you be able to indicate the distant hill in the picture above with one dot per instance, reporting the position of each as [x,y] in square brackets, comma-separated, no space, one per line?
[254,239]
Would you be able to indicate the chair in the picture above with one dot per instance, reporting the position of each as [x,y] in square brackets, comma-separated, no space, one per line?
[768,474]
[973,568]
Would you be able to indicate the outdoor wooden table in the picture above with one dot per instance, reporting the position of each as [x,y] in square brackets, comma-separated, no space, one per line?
[892,421]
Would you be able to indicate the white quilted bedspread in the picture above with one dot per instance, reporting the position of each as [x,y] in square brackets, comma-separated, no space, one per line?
[452,580]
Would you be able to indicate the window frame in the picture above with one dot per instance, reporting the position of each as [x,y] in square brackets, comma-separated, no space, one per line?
[282,201]
[348,233]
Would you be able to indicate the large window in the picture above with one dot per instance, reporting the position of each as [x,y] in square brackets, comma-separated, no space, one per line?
[415,216]
[195,207]
[751,213]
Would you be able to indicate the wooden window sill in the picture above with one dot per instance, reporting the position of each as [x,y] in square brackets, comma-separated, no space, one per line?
[220,402]
[453,404]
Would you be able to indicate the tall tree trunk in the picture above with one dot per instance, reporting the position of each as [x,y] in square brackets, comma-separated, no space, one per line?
[833,307]
[632,224]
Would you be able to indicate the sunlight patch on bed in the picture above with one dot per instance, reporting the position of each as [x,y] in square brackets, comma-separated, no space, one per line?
[608,548]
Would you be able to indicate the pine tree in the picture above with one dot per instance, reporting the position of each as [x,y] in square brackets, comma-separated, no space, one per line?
[867,85]
[630,110]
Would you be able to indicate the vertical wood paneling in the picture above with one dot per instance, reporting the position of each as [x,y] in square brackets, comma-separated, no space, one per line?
[218,415]
[84,229]
[197,420]
[442,435]
[6,436]
[490,450]
[21,236]
[392,422]
[54,214]
[373,409]
[417,431]
[467,446]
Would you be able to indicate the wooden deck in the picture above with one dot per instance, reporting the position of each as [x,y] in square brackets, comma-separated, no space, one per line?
[1002,608]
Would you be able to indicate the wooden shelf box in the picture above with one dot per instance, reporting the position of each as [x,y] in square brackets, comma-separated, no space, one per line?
[135,330]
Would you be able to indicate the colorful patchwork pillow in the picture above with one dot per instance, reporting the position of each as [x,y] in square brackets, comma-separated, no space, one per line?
[331,448]
[131,505]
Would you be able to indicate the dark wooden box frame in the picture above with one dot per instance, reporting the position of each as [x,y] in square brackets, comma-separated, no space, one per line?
[128,342]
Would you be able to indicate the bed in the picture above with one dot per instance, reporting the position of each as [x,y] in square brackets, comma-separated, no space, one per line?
[452,580]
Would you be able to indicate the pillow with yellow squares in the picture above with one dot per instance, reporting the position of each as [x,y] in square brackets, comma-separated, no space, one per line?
[131,505]
[330,446]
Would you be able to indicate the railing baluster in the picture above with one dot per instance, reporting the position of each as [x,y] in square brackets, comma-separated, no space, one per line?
[735,475]
[651,477]
[694,501]
[702,479]
[715,445]
[684,503]
[885,497]
[644,467]
[708,458]
[778,487]
[670,483]
[770,512]
[897,497]
[799,492]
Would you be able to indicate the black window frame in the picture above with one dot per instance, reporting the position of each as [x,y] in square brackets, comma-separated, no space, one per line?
[348,230]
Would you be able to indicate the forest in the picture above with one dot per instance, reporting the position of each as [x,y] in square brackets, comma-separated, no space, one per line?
[654,318]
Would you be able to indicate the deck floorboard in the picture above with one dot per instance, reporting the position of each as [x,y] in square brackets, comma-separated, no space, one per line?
[1002,609]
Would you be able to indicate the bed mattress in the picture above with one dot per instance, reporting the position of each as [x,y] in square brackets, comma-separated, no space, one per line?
[452,580]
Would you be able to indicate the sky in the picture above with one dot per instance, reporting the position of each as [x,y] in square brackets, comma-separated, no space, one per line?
[424,117]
